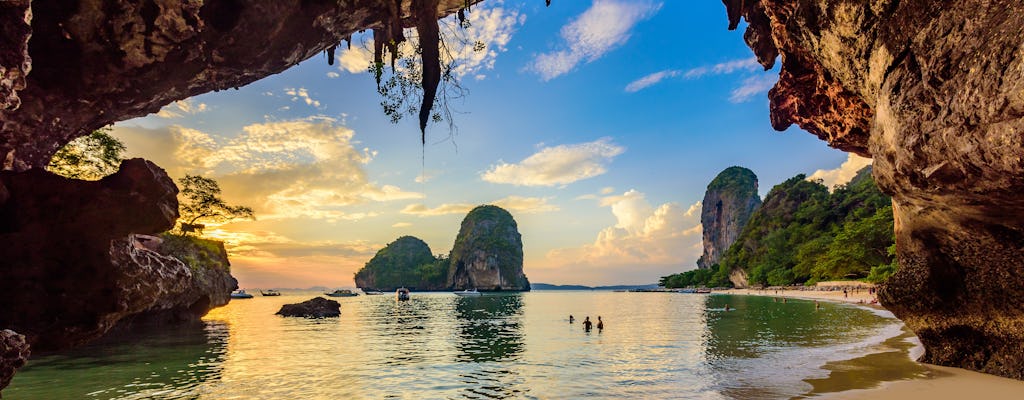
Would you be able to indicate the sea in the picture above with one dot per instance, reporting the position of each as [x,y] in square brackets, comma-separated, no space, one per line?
[494,346]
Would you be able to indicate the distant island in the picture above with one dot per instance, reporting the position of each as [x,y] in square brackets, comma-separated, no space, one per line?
[547,286]
[487,256]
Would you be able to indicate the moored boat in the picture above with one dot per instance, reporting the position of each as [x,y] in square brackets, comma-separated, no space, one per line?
[467,292]
[270,292]
[372,292]
[402,294]
[342,293]
[240,294]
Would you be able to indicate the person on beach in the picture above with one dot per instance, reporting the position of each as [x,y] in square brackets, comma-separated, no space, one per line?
[571,319]
[846,295]
[726,307]
[816,305]
[600,324]
[587,324]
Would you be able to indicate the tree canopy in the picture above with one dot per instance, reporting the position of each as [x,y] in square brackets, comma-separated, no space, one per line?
[89,157]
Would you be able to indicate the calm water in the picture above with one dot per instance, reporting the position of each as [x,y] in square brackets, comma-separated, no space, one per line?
[655,345]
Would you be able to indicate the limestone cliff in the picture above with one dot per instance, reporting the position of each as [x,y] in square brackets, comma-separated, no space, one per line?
[488,252]
[933,92]
[729,201]
[406,262]
[70,271]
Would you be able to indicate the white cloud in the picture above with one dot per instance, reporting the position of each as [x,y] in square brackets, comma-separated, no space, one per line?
[472,50]
[559,165]
[753,86]
[333,74]
[650,80]
[842,175]
[401,225]
[181,108]
[519,204]
[722,68]
[301,94]
[606,25]
[646,241]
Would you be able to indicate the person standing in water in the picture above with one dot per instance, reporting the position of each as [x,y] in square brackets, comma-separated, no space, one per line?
[587,324]
[571,319]
[600,324]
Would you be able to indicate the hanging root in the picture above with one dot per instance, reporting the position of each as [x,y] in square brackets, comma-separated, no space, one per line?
[330,54]
[430,39]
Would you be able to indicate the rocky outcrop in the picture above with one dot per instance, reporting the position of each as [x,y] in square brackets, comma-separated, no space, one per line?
[317,307]
[90,63]
[206,283]
[406,262]
[729,201]
[932,91]
[14,354]
[69,270]
[488,252]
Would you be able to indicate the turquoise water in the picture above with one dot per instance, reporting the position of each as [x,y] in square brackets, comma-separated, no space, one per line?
[438,345]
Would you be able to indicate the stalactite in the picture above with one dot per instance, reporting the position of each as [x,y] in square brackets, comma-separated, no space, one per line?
[430,40]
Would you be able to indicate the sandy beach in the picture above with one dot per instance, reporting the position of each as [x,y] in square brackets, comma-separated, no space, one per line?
[941,383]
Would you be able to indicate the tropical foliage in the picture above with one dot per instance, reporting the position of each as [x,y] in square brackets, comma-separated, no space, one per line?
[804,234]
[200,201]
[89,157]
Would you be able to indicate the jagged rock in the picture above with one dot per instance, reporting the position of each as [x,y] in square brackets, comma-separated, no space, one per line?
[933,92]
[206,282]
[94,62]
[69,270]
[729,201]
[406,262]
[14,352]
[317,307]
[488,252]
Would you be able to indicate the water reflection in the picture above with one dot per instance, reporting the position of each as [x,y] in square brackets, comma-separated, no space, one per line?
[169,363]
[490,328]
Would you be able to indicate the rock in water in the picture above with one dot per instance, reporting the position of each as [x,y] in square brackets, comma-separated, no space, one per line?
[729,202]
[13,355]
[488,252]
[406,262]
[317,307]
[932,91]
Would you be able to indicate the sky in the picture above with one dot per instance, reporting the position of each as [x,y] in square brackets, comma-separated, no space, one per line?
[597,124]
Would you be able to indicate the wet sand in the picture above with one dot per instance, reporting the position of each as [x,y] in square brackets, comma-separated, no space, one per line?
[926,382]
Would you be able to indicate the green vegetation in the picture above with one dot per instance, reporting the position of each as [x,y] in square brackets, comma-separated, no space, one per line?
[491,229]
[89,157]
[405,262]
[200,201]
[195,252]
[737,179]
[803,234]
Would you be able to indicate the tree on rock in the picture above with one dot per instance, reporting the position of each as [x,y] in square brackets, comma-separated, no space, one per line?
[201,202]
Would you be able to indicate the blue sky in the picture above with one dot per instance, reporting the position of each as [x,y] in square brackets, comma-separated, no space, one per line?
[598,124]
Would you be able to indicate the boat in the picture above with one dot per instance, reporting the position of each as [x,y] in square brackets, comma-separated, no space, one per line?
[402,294]
[372,292]
[703,290]
[467,292]
[240,294]
[342,293]
[270,292]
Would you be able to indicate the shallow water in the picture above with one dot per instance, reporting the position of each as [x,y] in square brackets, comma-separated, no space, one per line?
[439,345]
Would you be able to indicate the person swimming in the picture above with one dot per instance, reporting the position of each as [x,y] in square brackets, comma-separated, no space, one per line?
[726,307]
[600,324]
[587,324]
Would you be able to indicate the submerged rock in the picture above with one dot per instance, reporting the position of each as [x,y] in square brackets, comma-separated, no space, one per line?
[488,252]
[932,91]
[317,307]
[730,200]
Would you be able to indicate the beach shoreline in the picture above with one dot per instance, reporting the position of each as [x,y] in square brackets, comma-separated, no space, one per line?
[941,383]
